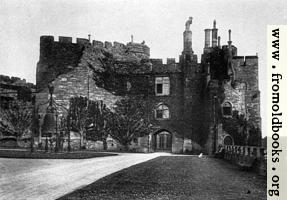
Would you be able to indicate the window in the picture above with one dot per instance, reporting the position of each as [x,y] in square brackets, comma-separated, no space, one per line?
[162,112]
[162,86]
[228,140]
[227,108]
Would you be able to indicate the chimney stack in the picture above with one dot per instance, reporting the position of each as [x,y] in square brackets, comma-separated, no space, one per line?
[229,38]
[187,37]
[207,38]
[214,34]
[219,46]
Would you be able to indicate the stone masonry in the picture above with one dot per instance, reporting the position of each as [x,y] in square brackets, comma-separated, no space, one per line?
[187,100]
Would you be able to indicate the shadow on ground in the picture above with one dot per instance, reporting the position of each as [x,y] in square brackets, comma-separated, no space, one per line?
[176,177]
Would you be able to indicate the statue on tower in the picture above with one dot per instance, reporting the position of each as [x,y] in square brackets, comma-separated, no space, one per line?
[188,23]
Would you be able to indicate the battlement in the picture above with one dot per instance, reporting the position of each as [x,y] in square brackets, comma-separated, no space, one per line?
[156,61]
[138,49]
[63,39]
[170,61]
[159,67]
[238,61]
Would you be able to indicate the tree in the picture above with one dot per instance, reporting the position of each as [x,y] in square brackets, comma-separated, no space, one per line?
[78,116]
[17,119]
[244,132]
[99,115]
[130,120]
[64,131]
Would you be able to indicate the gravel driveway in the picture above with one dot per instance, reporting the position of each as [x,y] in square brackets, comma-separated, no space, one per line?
[50,179]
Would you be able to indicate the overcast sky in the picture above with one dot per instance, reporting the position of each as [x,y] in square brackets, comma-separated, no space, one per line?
[159,22]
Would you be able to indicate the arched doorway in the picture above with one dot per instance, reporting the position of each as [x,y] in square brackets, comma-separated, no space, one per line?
[228,140]
[162,141]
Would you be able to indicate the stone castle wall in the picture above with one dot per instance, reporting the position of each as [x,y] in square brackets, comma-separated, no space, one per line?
[71,84]
[60,57]
[246,70]
[197,91]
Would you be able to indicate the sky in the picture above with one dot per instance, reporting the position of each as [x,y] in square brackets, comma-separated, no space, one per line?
[160,23]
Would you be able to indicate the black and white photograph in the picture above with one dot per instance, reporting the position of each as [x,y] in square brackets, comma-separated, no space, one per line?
[142,99]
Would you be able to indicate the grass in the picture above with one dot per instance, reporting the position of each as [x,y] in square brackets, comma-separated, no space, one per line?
[13,153]
[176,177]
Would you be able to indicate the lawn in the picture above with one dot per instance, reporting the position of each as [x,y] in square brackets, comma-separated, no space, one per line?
[21,153]
[176,177]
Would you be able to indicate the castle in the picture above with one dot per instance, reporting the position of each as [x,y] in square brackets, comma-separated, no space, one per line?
[192,105]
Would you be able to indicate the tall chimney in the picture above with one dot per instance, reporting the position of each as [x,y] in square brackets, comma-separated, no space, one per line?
[187,37]
[207,38]
[219,46]
[229,64]
[229,38]
[214,34]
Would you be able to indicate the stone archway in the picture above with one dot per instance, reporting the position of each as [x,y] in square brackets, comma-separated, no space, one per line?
[162,141]
[228,140]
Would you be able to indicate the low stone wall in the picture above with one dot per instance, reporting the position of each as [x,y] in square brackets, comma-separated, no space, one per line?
[247,157]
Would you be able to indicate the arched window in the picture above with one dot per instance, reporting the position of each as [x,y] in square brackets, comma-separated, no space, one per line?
[227,108]
[228,140]
[162,112]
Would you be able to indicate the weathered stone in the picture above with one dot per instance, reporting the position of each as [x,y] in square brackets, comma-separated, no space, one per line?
[197,91]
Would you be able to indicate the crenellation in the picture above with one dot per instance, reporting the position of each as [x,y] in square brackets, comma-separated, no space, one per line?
[118,45]
[238,61]
[139,49]
[241,61]
[170,61]
[82,41]
[46,39]
[251,60]
[97,43]
[108,45]
[156,61]
[63,39]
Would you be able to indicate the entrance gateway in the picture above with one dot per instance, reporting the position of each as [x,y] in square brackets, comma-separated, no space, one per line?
[162,141]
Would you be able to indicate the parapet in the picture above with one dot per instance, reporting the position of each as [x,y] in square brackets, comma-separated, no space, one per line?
[251,60]
[170,61]
[138,49]
[108,45]
[170,67]
[82,41]
[156,61]
[47,39]
[141,50]
[238,61]
[119,45]
[97,43]
[63,39]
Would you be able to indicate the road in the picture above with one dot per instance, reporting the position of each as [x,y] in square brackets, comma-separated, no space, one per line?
[52,178]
